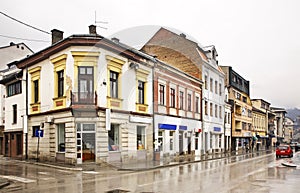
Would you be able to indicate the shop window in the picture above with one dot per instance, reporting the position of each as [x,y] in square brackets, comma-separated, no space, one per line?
[171,140]
[61,137]
[140,137]
[160,141]
[196,141]
[113,138]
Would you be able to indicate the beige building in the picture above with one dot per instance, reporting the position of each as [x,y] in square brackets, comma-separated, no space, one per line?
[261,112]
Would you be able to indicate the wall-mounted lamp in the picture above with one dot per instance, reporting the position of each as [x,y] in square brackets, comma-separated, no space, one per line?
[134,66]
[104,82]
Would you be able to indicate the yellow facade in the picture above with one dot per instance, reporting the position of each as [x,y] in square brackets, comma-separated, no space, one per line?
[114,64]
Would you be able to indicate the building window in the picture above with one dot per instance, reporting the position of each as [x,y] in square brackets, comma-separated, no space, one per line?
[211,109]
[180,100]
[216,87]
[206,108]
[60,83]
[61,137]
[205,82]
[172,97]
[14,88]
[36,91]
[244,99]
[140,137]
[14,114]
[162,94]
[113,138]
[141,90]
[220,89]
[197,105]
[216,110]
[114,84]
[211,85]
[34,130]
[220,112]
[189,101]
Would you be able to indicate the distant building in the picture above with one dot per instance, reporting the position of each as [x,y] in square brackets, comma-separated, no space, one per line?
[279,123]
[239,97]
[11,109]
[288,130]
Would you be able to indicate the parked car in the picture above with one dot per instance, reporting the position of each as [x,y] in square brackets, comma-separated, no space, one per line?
[284,150]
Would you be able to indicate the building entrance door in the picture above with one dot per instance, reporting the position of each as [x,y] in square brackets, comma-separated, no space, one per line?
[86,142]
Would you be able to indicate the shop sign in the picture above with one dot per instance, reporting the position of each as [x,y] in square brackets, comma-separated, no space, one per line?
[217,129]
[181,127]
[167,126]
[198,130]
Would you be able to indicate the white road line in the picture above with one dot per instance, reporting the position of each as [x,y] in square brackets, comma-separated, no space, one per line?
[19,179]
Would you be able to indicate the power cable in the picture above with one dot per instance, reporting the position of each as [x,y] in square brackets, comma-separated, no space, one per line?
[23,38]
[24,23]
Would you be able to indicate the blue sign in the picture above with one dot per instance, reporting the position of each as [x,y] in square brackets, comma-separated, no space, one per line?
[39,133]
[167,126]
[217,129]
[181,127]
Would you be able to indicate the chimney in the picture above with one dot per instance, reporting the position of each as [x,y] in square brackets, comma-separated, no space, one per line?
[183,35]
[56,36]
[93,30]
[116,40]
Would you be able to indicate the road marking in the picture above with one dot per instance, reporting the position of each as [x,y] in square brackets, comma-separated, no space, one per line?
[90,172]
[19,179]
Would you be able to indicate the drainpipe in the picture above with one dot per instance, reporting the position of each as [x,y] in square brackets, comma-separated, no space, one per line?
[26,117]
[153,115]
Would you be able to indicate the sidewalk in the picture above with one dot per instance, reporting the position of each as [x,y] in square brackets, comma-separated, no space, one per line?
[138,165]
[148,165]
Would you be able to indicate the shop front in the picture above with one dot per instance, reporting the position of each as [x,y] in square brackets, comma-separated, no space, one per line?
[177,136]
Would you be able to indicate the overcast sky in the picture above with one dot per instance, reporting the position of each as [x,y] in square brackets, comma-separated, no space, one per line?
[258,38]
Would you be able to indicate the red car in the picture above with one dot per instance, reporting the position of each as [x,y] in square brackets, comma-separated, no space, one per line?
[284,150]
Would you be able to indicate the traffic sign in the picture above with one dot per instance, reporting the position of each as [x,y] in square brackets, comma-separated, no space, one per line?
[39,133]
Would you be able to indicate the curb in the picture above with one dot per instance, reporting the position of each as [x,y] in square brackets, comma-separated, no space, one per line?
[3,184]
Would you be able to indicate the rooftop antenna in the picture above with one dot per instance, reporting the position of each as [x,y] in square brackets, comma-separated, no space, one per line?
[102,22]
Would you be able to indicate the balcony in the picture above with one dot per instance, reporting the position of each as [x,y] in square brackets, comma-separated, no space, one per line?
[84,104]
[83,98]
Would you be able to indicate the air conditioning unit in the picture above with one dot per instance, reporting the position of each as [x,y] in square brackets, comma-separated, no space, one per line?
[49,119]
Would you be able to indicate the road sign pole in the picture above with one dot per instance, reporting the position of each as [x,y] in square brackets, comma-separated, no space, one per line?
[38,146]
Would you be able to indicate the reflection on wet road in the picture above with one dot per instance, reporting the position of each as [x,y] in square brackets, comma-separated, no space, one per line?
[263,174]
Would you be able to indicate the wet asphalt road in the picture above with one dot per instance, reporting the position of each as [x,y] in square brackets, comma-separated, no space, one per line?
[240,174]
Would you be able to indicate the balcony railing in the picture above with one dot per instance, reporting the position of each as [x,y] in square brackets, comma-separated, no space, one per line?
[84,98]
